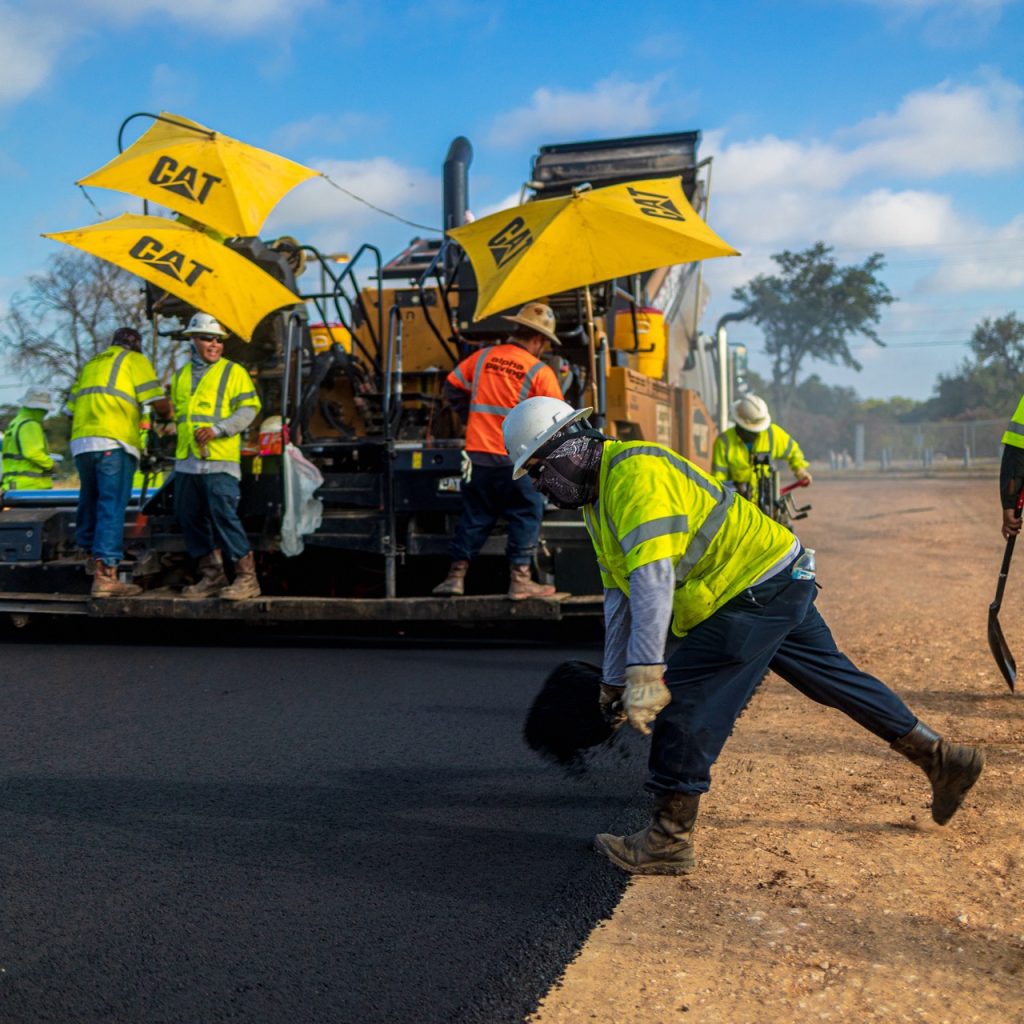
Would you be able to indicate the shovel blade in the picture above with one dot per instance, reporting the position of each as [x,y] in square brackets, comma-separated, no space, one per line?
[1000,650]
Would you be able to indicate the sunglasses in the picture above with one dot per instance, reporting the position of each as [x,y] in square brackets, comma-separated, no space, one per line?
[208,337]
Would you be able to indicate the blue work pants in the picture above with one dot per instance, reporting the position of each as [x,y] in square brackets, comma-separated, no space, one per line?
[103,492]
[206,505]
[714,671]
[492,493]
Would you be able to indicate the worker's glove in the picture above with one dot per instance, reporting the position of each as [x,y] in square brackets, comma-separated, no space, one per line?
[802,474]
[610,702]
[646,695]
[466,466]
[56,457]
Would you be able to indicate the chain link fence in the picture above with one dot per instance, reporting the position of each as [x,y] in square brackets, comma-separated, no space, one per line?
[920,445]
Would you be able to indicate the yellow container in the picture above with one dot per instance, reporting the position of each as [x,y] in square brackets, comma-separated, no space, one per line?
[650,337]
[326,335]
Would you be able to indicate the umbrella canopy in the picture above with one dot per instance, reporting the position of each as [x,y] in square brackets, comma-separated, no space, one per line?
[592,235]
[205,175]
[187,263]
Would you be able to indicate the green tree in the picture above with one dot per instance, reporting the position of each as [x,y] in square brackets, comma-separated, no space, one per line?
[987,384]
[811,309]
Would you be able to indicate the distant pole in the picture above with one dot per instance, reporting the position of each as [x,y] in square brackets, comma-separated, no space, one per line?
[858,445]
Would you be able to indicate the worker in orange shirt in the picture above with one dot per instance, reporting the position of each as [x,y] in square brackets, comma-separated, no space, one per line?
[483,389]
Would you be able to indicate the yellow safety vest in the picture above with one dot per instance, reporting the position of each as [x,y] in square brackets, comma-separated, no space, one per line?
[109,393]
[1014,435]
[223,389]
[731,460]
[27,463]
[654,504]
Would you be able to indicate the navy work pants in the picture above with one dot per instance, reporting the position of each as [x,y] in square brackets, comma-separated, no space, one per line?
[492,493]
[206,505]
[105,486]
[718,665]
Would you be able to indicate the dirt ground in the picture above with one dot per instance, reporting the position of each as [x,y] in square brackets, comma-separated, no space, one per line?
[824,892]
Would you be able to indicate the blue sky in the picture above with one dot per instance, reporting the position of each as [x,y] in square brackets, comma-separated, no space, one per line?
[890,125]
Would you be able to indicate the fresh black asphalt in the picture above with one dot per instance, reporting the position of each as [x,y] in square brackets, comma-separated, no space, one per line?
[210,827]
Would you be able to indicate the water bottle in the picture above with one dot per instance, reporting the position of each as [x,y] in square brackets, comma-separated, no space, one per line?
[803,567]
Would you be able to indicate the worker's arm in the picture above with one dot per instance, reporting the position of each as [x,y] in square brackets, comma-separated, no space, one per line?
[792,453]
[635,631]
[458,399]
[1011,479]
[33,446]
[719,460]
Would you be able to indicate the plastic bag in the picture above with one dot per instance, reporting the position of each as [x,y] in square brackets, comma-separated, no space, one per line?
[302,512]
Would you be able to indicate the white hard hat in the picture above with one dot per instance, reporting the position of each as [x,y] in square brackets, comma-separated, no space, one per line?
[203,323]
[38,397]
[751,413]
[531,423]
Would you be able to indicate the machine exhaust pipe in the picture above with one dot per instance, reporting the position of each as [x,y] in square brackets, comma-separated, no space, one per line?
[456,182]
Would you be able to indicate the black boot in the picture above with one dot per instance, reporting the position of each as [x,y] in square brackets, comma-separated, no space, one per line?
[952,768]
[665,847]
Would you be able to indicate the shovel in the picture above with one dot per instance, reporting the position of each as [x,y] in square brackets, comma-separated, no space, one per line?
[996,640]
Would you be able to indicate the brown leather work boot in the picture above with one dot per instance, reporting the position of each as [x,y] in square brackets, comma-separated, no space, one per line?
[247,584]
[454,584]
[522,586]
[106,584]
[211,579]
[952,768]
[665,847]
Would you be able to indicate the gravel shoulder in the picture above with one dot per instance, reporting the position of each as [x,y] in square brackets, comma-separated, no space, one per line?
[824,892]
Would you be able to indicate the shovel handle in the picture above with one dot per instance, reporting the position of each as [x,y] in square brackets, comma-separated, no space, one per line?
[1004,569]
[794,486]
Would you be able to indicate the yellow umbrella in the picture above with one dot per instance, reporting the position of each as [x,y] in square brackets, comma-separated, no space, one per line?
[203,174]
[187,263]
[592,235]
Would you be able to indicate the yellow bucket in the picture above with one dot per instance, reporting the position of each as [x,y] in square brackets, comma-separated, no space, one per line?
[650,337]
[326,335]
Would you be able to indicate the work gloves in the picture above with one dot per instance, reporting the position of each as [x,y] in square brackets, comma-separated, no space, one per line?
[803,474]
[646,695]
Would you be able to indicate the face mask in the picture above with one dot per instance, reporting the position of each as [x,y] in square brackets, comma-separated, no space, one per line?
[568,475]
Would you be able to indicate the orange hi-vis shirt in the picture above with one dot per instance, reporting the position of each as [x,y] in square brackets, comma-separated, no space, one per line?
[498,379]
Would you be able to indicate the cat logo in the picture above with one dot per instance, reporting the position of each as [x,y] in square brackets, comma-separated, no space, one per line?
[168,261]
[182,180]
[654,205]
[512,240]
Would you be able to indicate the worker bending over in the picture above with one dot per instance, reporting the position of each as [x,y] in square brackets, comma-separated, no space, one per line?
[27,461]
[215,401]
[1011,471]
[735,450]
[676,546]
[483,389]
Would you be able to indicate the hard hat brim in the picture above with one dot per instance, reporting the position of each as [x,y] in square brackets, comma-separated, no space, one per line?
[517,319]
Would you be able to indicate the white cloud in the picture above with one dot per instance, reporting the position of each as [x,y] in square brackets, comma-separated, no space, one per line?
[30,45]
[229,17]
[945,23]
[324,129]
[328,218]
[612,106]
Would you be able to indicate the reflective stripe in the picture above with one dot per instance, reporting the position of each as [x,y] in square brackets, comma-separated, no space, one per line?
[716,468]
[460,377]
[150,385]
[494,410]
[244,397]
[789,448]
[123,395]
[652,529]
[478,372]
[222,388]
[1015,428]
[678,462]
[704,536]
[201,417]
[28,472]
[524,389]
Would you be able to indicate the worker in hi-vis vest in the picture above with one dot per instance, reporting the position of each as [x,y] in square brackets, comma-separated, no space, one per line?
[483,389]
[732,458]
[27,461]
[105,404]
[1011,471]
[215,402]
[676,547]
